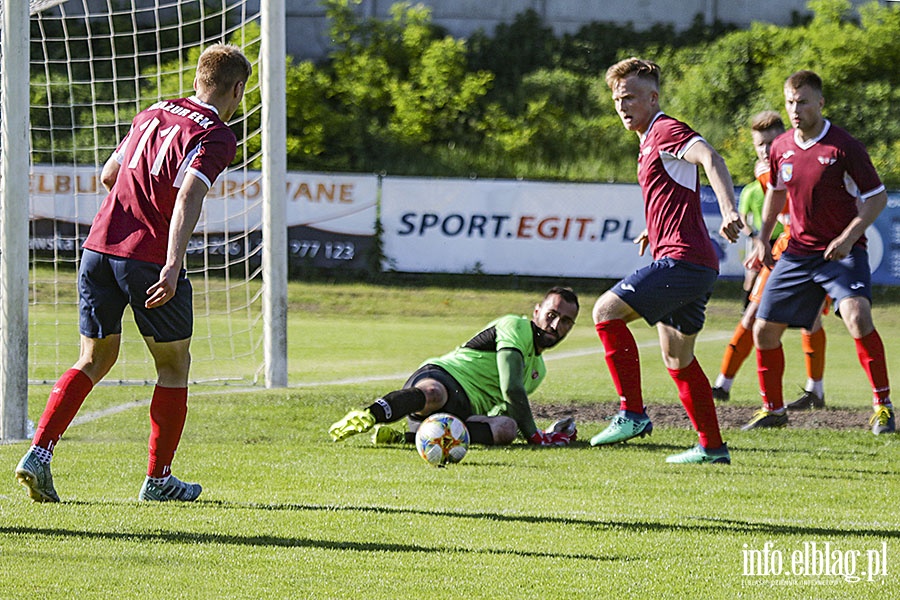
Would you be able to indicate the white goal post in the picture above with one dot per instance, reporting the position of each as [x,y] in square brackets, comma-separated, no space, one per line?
[71,78]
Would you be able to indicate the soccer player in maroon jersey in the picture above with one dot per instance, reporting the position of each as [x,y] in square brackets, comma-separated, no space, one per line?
[673,290]
[765,127]
[157,179]
[833,194]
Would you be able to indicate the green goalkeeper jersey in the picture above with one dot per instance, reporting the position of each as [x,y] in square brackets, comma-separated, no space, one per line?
[475,366]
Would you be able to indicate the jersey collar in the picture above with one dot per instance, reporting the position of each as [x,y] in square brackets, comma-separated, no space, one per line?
[650,126]
[197,100]
[810,143]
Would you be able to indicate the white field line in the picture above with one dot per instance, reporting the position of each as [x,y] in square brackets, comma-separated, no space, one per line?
[712,336]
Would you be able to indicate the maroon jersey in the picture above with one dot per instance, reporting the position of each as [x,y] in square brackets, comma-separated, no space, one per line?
[824,178]
[671,188]
[166,141]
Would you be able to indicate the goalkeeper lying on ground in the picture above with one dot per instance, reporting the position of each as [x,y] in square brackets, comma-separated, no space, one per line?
[485,382]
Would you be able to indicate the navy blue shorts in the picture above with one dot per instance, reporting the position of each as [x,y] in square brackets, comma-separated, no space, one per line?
[107,284]
[798,285]
[458,403]
[669,291]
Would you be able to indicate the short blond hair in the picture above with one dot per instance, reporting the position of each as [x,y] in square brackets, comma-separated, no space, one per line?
[766,120]
[221,66]
[638,67]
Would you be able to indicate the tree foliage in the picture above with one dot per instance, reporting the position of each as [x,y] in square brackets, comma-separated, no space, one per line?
[399,95]
[718,86]
[405,98]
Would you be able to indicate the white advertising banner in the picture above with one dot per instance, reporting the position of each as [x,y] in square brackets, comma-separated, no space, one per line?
[512,227]
[337,203]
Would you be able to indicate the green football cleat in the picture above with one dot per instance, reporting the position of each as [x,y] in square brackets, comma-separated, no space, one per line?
[355,421]
[698,455]
[883,420]
[384,435]
[764,418]
[174,489]
[35,476]
[624,426]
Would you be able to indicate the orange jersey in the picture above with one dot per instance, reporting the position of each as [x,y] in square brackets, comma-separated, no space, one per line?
[764,177]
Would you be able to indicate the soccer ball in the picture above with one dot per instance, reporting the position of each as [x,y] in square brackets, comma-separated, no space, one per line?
[442,439]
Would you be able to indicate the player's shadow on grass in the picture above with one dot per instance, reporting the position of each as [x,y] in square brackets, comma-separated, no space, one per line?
[268,541]
[748,444]
[701,524]
[704,525]
[640,446]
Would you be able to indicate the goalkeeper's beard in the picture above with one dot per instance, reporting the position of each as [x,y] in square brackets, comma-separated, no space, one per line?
[546,339]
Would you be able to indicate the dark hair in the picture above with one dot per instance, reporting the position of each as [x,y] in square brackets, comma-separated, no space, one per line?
[565,293]
[805,78]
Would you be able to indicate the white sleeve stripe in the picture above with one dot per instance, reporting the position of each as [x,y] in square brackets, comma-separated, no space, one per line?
[200,176]
[688,145]
[185,165]
[874,192]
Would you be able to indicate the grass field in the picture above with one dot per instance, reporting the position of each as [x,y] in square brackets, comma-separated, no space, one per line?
[286,513]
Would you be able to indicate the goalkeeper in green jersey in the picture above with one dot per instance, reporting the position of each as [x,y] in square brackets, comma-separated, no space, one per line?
[485,382]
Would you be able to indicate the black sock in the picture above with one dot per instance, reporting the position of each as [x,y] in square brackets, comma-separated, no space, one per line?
[396,405]
[413,421]
[480,433]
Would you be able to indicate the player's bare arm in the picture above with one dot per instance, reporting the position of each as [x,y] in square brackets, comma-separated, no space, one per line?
[188,204]
[762,248]
[701,153]
[110,173]
[869,210]
[642,241]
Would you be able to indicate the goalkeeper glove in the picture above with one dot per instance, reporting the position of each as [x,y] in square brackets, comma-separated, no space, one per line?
[566,426]
[544,438]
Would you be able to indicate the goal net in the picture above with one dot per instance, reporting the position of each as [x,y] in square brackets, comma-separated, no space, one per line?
[94,64]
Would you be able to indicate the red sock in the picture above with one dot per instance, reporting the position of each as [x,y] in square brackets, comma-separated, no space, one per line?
[737,351]
[770,369]
[814,348]
[871,356]
[65,399]
[168,411]
[624,363]
[696,397]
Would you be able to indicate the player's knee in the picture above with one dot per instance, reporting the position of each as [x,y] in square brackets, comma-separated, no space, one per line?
[504,430]
[766,335]
[857,316]
[491,431]
[602,309]
[435,395]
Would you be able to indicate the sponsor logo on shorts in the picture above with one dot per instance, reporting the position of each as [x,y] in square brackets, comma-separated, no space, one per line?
[627,287]
[857,285]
